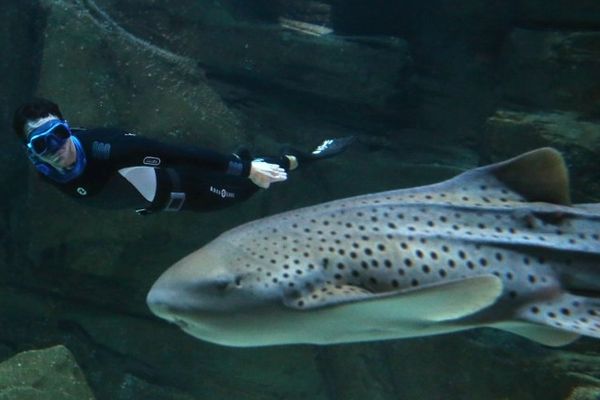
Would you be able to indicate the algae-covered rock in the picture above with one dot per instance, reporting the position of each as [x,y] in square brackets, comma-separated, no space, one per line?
[50,374]
[585,393]
[102,74]
[553,69]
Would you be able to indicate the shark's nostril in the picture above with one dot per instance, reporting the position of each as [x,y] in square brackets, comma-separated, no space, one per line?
[180,323]
[222,284]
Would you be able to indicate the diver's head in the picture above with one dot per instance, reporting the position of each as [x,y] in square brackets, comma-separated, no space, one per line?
[49,141]
[32,112]
[46,135]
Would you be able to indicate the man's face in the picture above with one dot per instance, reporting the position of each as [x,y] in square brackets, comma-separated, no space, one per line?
[62,158]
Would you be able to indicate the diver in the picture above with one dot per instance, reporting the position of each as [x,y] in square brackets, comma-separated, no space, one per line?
[111,168]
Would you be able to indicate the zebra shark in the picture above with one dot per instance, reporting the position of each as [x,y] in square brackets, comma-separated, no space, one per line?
[497,246]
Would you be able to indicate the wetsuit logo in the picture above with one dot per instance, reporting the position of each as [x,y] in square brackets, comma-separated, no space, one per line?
[101,150]
[81,191]
[151,161]
[222,192]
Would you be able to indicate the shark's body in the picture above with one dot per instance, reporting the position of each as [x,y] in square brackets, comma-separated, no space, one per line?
[498,246]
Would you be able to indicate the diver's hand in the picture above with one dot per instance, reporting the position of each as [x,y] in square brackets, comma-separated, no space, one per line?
[263,174]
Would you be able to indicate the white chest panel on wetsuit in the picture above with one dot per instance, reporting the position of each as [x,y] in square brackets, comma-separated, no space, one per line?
[143,179]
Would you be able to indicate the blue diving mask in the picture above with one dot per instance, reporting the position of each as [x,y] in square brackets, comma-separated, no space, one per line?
[49,137]
[46,140]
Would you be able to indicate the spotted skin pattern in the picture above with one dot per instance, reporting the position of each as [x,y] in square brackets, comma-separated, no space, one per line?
[475,225]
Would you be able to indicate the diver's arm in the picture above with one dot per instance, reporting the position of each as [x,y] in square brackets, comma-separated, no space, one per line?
[128,150]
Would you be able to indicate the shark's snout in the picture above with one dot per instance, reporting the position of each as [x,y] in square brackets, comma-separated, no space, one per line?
[206,282]
[173,294]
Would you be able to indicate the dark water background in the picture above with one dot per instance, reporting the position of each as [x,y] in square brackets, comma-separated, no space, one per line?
[430,88]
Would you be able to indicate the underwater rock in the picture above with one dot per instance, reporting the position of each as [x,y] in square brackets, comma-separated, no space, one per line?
[309,17]
[578,367]
[102,74]
[133,387]
[262,59]
[553,70]
[508,132]
[362,381]
[178,361]
[585,393]
[561,14]
[50,374]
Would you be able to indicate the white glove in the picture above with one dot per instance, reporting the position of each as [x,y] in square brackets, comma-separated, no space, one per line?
[263,174]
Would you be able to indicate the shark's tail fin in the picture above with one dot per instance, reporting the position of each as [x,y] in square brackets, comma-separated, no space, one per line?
[559,320]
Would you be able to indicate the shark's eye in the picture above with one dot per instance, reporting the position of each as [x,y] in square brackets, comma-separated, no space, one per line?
[238,281]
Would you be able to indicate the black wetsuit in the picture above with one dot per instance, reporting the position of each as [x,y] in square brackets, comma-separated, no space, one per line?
[187,178]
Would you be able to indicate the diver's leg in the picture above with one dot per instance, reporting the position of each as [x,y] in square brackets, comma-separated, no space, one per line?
[207,191]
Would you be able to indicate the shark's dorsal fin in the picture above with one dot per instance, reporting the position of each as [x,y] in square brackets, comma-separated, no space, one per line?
[539,175]
[434,303]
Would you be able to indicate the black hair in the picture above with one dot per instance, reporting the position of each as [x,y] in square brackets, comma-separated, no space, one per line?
[35,109]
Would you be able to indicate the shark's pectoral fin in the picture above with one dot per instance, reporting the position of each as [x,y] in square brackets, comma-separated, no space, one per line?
[329,295]
[461,298]
[433,303]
